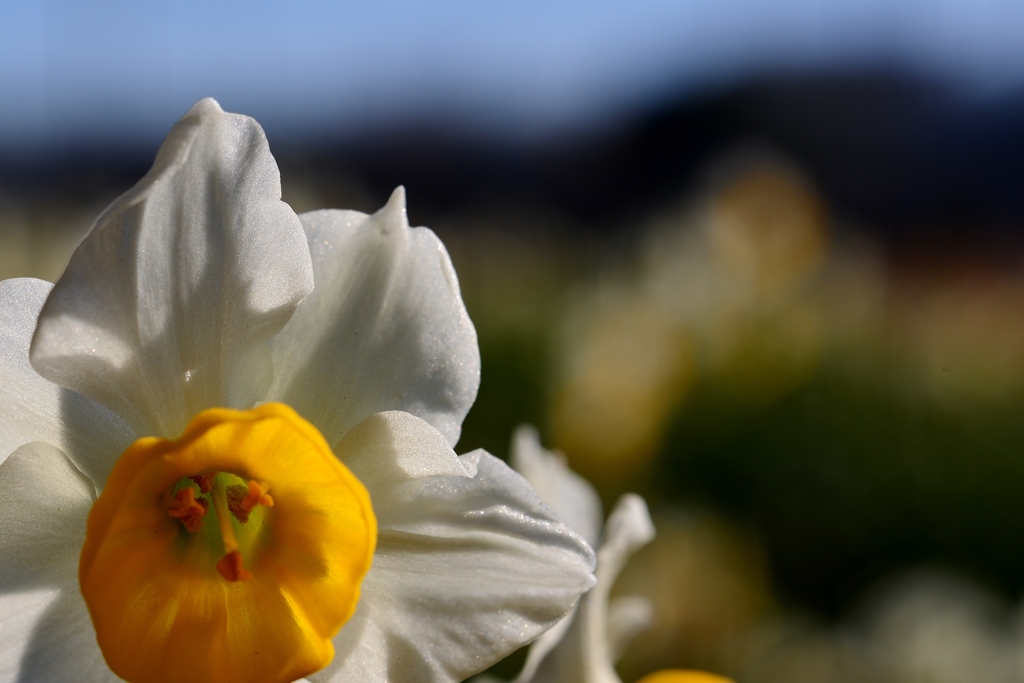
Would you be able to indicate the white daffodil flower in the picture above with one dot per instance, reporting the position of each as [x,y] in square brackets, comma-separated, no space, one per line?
[584,646]
[216,471]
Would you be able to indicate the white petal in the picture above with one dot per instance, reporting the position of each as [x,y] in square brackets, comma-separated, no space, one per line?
[470,563]
[166,306]
[628,617]
[19,613]
[584,655]
[385,328]
[540,648]
[60,645]
[628,529]
[34,409]
[395,449]
[572,496]
[45,633]
[44,502]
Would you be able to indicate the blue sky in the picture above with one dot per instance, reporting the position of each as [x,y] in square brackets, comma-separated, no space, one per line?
[125,70]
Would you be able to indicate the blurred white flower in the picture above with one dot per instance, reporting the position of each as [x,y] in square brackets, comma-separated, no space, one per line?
[189,303]
[930,625]
[584,646]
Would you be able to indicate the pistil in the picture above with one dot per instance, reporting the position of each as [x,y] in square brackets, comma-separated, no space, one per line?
[229,566]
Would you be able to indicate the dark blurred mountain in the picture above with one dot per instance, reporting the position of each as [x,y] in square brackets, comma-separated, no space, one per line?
[904,156]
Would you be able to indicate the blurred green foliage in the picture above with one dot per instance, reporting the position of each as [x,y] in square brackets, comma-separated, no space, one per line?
[512,391]
[849,478]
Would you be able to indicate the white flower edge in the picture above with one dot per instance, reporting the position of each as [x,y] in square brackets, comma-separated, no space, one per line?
[386,317]
[44,502]
[571,496]
[444,598]
[34,409]
[585,645]
[165,307]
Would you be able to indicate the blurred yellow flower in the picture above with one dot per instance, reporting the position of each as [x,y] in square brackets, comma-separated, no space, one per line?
[681,676]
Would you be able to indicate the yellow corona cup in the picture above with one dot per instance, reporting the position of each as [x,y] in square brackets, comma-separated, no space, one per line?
[231,554]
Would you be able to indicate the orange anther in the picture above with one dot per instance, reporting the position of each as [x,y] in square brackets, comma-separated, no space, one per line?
[204,481]
[242,499]
[189,510]
[230,567]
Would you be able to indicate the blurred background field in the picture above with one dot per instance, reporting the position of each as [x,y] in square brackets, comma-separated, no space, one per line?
[763,266]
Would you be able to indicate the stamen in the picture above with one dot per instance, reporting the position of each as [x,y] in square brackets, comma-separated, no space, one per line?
[230,567]
[189,510]
[204,481]
[242,499]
